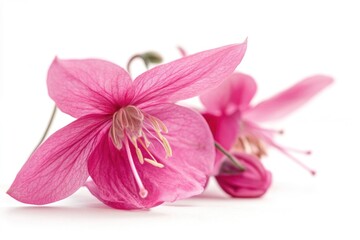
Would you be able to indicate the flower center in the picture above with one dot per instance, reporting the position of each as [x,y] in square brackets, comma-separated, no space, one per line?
[131,126]
[251,145]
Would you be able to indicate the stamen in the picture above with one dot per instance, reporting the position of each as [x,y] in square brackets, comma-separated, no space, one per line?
[239,145]
[154,163]
[161,125]
[142,191]
[153,160]
[139,155]
[163,141]
[305,152]
[130,126]
[123,119]
[286,153]
[251,145]
[134,112]
[152,135]
[312,172]
[245,143]
[166,145]
[116,133]
[147,142]
[257,146]
[137,149]
[158,125]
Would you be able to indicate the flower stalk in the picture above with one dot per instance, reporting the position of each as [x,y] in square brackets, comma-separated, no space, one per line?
[51,120]
[229,156]
[147,58]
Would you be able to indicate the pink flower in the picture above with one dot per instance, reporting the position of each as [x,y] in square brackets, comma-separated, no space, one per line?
[251,183]
[139,148]
[235,123]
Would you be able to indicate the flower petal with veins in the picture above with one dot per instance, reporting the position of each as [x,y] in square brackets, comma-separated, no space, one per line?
[289,100]
[59,166]
[182,175]
[138,146]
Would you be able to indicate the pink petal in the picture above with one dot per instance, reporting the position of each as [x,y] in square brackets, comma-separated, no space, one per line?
[113,181]
[189,76]
[127,201]
[184,174]
[289,100]
[91,86]
[225,131]
[252,183]
[235,93]
[58,167]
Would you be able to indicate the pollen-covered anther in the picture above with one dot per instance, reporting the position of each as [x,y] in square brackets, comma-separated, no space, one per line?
[131,126]
[251,145]
[160,127]
[130,122]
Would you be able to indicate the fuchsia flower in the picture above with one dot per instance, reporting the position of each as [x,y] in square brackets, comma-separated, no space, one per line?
[139,148]
[235,123]
[251,183]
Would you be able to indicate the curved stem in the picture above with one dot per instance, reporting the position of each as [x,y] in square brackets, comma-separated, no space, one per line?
[229,156]
[128,65]
[47,127]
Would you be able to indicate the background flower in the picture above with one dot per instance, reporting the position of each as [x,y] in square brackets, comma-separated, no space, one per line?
[236,124]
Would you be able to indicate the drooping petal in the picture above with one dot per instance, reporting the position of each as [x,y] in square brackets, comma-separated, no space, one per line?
[59,166]
[235,93]
[289,100]
[113,181]
[251,183]
[90,86]
[125,202]
[183,175]
[189,76]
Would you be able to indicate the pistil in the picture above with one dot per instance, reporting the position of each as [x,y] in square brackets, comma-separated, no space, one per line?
[142,190]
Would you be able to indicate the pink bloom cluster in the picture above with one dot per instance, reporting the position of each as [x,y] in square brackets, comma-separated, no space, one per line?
[235,124]
[133,147]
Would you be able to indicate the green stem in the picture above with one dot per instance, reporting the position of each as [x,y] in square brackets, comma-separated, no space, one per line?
[135,57]
[147,57]
[229,156]
[47,127]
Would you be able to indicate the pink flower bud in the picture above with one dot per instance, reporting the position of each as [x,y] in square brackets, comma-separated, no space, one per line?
[251,183]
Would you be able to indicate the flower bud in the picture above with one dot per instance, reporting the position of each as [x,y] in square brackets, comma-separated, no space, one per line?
[253,182]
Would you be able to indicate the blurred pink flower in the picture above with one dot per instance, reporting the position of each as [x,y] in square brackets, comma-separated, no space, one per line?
[235,124]
[139,148]
[251,183]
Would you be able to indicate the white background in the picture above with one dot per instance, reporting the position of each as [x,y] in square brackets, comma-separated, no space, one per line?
[287,41]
